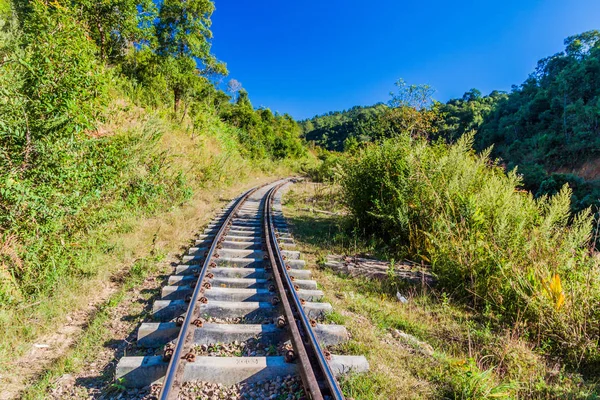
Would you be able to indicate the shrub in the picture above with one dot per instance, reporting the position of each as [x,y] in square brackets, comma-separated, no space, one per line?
[328,169]
[524,260]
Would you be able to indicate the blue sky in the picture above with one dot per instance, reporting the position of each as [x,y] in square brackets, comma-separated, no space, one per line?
[313,56]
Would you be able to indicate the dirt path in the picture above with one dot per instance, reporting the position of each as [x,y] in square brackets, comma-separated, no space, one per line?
[49,348]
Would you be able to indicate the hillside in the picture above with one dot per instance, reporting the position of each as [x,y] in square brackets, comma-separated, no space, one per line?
[547,126]
[331,130]
[111,115]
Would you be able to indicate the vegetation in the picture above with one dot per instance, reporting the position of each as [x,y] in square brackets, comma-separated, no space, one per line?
[518,259]
[456,353]
[332,129]
[107,110]
[112,110]
[547,127]
[443,184]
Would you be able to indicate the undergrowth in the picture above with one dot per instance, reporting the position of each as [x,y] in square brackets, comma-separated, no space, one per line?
[472,357]
[519,261]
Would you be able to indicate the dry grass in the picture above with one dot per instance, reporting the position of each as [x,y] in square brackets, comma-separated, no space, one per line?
[166,233]
[214,172]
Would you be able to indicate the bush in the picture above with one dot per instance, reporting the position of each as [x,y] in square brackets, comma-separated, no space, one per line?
[328,168]
[523,260]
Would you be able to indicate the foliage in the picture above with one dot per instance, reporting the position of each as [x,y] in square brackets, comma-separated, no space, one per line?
[52,84]
[410,110]
[329,168]
[411,96]
[467,114]
[333,129]
[262,133]
[91,94]
[521,260]
[183,36]
[549,124]
[547,127]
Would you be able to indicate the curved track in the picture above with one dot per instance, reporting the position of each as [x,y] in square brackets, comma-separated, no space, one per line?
[242,284]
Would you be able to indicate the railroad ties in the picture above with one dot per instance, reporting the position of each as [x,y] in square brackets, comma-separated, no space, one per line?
[239,307]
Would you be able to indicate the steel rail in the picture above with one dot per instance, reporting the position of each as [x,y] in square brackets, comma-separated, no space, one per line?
[170,386]
[311,385]
[307,373]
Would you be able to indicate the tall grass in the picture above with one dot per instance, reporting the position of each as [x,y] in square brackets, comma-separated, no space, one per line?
[525,262]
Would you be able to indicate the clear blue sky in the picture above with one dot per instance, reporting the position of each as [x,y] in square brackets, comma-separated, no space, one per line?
[312,56]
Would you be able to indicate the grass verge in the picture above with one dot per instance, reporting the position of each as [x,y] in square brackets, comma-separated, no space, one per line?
[456,354]
[118,251]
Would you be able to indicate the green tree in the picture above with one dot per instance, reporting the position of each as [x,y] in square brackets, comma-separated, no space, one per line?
[116,25]
[183,33]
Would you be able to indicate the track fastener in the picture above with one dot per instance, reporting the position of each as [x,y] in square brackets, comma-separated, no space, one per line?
[198,323]
[290,354]
[168,353]
[281,322]
[179,320]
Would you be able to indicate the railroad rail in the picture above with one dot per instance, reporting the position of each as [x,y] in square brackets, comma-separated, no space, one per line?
[243,284]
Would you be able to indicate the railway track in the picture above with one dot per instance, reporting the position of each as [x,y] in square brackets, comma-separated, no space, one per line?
[242,311]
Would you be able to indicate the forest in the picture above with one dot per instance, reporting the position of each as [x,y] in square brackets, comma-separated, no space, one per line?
[547,127]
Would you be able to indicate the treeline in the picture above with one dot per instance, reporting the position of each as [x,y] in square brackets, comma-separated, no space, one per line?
[547,127]
[332,129]
[89,93]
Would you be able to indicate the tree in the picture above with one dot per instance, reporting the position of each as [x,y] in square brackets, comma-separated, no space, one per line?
[411,111]
[183,33]
[233,87]
[580,45]
[414,96]
[117,24]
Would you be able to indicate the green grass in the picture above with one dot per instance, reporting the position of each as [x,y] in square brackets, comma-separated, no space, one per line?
[472,358]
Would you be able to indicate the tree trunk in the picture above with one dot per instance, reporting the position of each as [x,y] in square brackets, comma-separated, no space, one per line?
[177,98]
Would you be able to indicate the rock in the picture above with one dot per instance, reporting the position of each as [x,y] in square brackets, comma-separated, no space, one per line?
[401,298]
